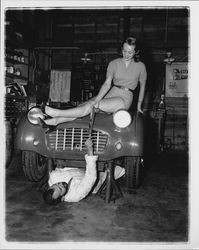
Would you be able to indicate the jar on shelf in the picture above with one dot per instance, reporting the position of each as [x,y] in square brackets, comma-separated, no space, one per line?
[22,59]
[10,69]
[17,72]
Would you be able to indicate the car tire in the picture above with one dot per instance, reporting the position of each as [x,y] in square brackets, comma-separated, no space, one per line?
[34,165]
[132,166]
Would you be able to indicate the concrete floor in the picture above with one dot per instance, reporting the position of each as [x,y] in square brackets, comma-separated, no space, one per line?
[158,212]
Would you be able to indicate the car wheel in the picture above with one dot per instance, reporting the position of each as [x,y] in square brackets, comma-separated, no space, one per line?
[132,165]
[34,165]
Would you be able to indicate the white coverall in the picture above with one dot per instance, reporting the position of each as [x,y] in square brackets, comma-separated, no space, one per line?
[82,181]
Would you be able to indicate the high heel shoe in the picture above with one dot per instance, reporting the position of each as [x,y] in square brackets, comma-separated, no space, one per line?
[50,128]
[42,107]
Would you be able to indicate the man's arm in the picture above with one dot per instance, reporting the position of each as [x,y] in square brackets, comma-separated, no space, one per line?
[80,188]
[89,146]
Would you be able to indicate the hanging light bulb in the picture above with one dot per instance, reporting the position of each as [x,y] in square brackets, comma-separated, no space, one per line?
[169,58]
[85,59]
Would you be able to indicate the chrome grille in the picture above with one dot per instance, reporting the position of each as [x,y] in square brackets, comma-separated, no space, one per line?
[70,139]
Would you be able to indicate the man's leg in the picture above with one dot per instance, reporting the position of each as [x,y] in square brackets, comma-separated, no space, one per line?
[118,173]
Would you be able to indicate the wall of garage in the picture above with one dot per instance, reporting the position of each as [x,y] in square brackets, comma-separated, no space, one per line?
[83,41]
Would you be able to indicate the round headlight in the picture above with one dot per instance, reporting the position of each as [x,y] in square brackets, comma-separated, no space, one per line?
[34,114]
[122,118]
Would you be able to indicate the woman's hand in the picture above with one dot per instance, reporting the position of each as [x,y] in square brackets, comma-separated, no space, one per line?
[139,108]
[94,103]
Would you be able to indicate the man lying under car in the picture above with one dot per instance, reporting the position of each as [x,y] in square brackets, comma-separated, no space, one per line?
[73,184]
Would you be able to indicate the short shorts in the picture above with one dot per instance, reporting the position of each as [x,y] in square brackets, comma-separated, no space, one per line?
[125,95]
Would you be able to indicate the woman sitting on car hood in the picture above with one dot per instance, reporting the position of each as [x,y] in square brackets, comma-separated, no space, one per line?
[125,73]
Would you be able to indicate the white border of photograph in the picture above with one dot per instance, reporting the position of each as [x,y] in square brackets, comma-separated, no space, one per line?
[193,124]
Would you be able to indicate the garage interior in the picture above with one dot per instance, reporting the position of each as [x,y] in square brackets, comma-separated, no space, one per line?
[41,42]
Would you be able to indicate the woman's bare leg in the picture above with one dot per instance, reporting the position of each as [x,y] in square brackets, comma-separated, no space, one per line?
[57,120]
[76,112]
[111,104]
[108,105]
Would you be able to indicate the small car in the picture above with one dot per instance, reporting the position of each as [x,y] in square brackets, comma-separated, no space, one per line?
[117,138]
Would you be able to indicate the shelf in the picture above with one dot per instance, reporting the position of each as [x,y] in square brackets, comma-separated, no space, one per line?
[16,51]
[16,77]
[15,62]
[16,97]
[19,44]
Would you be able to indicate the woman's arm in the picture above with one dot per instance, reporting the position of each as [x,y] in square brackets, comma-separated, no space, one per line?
[141,96]
[142,80]
[104,89]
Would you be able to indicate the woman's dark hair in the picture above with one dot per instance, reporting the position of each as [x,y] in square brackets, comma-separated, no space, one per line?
[132,41]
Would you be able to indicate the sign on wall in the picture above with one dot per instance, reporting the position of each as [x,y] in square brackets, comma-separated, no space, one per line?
[177,80]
